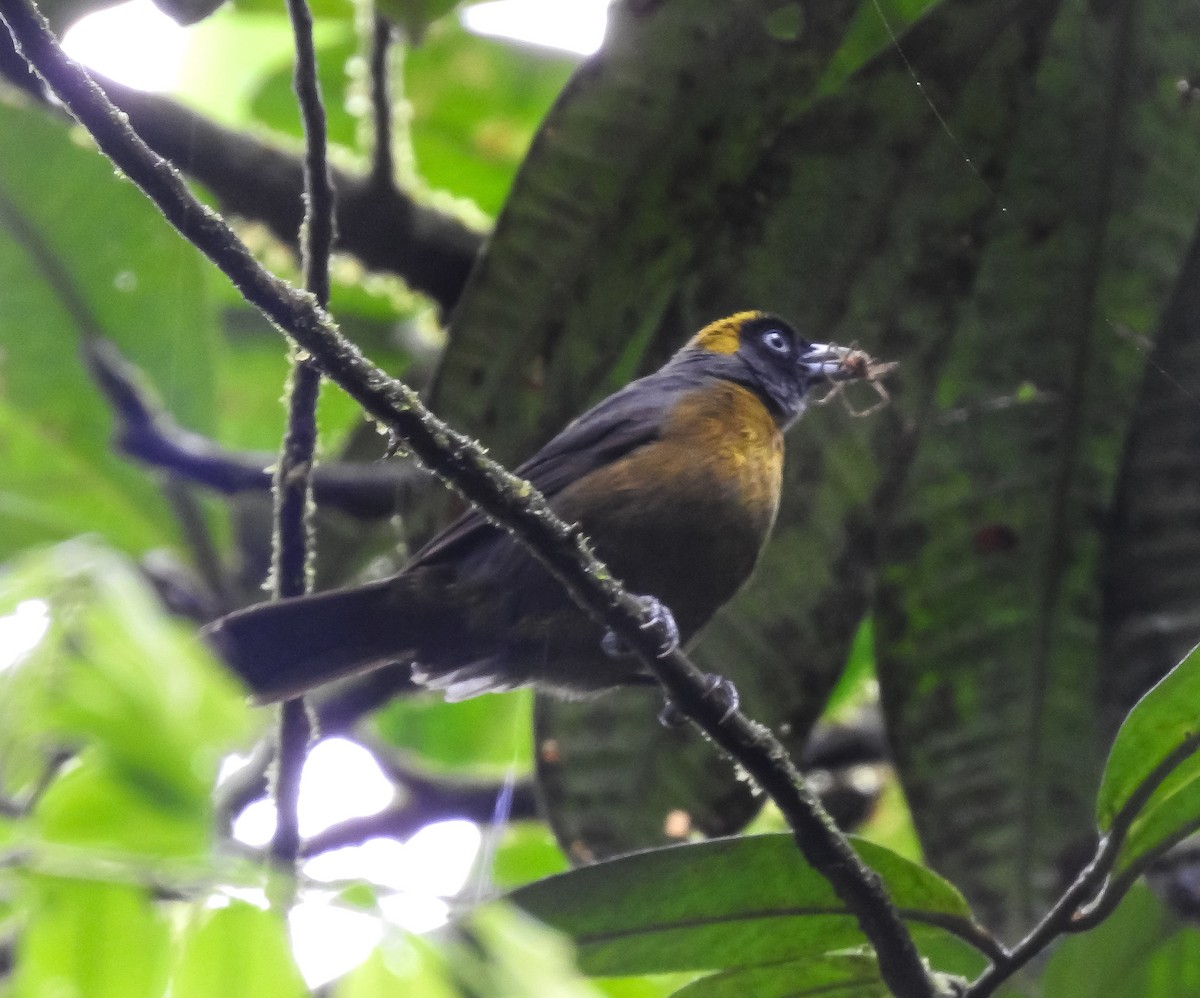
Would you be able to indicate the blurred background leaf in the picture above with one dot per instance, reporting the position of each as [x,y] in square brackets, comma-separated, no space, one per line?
[93,938]
[237,948]
[82,254]
[998,195]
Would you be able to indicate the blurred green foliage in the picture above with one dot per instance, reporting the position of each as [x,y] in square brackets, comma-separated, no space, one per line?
[115,880]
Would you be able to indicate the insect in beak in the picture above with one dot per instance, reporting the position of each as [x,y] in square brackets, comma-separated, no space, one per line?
[827,360]
[842,365]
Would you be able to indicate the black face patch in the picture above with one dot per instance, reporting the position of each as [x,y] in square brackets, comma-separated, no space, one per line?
[772,349]
[773,340]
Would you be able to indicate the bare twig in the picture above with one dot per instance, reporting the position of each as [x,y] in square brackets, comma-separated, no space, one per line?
[293,475]
[243,787]
[291,749]
[495,491]
[383,169]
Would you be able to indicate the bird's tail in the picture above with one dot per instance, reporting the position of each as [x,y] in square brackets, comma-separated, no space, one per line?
[285,648]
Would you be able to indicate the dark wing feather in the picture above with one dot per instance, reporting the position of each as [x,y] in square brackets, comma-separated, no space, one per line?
[620,424]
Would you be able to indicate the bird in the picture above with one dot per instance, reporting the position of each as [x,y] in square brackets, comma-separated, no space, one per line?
[675,479]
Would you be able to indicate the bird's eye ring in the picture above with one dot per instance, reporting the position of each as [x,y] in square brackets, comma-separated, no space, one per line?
[775,341]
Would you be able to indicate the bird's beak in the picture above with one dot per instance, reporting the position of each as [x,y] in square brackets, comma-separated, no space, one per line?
[827,360]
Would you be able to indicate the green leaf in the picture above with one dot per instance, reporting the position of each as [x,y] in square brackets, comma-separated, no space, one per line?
[80,937]
[989,624]
[651,986]
[154,710]
[508,953]
[342,10]
[82,253]
[527,851]
[1174,815]
[846,976]
[92,804]
[1164,725]
[740,902]
[408,965]
[878,25]
[50,492]
[237,950]
[475,106]
[485,736]
[857,685]
[1164,721]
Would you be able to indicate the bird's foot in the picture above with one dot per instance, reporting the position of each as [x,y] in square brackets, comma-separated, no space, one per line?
[717,688]
[659,617]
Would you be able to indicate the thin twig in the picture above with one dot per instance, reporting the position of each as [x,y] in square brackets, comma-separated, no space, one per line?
[243,788]
[316,235]
[1052,925]
[293,476]
[383,169]
[1115,889]
[291,748]
[496,492]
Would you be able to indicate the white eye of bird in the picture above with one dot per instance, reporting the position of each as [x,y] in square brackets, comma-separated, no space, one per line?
[776,342]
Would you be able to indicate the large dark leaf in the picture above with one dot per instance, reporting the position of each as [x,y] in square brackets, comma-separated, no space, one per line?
[613,779]
[847,207]
[988,648]
[1152,562]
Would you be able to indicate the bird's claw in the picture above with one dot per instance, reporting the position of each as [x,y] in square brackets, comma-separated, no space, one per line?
[658,617]
[717,688]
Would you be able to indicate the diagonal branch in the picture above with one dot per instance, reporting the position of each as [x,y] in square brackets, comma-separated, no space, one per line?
[146,432]
[495,491]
